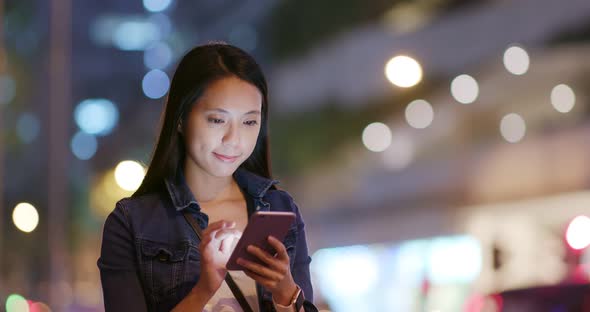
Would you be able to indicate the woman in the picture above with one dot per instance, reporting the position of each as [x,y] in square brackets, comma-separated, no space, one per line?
[212,161]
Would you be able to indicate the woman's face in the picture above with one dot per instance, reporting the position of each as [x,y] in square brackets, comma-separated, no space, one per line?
[222,128]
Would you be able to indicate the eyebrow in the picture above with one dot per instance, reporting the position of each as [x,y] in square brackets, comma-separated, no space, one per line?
[221,110]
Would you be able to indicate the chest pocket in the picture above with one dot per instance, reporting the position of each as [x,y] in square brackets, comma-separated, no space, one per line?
[162,267]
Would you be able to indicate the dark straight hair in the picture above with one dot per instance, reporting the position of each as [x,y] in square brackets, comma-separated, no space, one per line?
[200,67]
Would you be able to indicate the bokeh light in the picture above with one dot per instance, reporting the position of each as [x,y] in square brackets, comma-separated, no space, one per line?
[334,265]
[164,24]
[377,137]
[403,71]
[156,5]
[7,89]
[129,175]
[16,303]
[27,127]
[155,84]
[25,217]
[516,60]
[512,128]
[135,35]
[401,151]
[96,116]
[158,56]
[39,307]
[83,145]
[464,89]
[105,192]
[563,98]
[419,114]
[454,260]
[578,232]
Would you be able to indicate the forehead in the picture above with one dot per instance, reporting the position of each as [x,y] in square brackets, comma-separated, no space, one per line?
[231,94]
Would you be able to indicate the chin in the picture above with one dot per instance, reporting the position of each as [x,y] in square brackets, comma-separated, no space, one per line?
[223,170]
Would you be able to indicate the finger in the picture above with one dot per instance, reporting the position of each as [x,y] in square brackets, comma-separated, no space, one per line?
[276,264]
[224,231]
[266,282]
[260,269]
[217,226]
[215,239]
[227,245]
[235,242]
[221,236]
[279,247]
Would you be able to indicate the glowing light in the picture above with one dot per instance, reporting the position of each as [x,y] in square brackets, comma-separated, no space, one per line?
[83,145]
[376,137]
[563,98]
[96,116]
[454,260]
[155,84]
[105,193]
[135,35]
[159,56]
[156,5]
[419,114]
[464,89]
[16,303]
[129,175]
[25,217]
[512,128]
[39,307]
[403,71]
[578,232]
[400,153]
[516,60]
[334,265]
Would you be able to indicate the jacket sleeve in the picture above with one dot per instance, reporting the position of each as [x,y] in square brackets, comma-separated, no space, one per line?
[122,290]
[300,270]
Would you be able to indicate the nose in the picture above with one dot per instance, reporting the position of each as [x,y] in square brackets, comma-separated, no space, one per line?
[231,136]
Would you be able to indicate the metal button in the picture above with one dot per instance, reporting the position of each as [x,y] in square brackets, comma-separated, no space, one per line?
[163,257]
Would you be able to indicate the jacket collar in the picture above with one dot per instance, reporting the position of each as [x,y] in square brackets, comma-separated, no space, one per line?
[182,197]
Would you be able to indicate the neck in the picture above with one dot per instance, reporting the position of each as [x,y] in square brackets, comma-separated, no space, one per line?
[207,188]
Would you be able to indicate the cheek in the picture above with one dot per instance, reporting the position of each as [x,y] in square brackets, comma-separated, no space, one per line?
[252,138]
[200,140]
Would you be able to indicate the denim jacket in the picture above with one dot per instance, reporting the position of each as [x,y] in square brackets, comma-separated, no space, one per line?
[150,259]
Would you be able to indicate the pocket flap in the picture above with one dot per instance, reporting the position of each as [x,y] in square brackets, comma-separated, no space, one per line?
[163,251]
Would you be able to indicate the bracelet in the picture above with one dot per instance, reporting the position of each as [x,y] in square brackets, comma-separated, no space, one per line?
[296,301]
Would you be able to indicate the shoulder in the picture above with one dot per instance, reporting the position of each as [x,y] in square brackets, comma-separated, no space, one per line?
[143,201]
[140,207]
[281,200]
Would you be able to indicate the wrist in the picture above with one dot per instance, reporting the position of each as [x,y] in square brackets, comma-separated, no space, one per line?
[202,291]
[286,297]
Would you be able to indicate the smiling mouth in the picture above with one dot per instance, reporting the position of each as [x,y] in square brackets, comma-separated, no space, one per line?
[226,158]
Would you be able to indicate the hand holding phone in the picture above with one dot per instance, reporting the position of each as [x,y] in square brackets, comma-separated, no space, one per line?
[261,225]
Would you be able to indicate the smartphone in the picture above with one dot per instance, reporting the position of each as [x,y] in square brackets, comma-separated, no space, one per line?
[261,225]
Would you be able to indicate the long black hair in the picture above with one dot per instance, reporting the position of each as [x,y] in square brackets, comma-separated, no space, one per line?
[200,67]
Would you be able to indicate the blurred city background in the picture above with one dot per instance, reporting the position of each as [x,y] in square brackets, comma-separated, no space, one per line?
[438,147]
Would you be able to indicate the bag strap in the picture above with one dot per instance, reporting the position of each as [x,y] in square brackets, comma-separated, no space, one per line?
[235,289]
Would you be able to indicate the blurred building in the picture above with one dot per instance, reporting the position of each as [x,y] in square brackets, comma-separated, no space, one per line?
[438,145]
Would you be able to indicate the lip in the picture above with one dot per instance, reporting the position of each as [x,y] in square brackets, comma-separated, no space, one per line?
[228,159]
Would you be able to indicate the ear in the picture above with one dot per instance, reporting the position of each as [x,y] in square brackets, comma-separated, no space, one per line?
[179,127]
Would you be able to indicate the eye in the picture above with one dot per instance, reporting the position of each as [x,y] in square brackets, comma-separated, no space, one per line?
[215,120]
[251,122]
